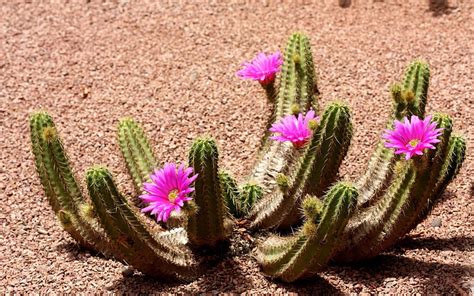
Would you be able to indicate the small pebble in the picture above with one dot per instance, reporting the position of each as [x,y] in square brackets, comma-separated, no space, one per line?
[436,222]
[128,271]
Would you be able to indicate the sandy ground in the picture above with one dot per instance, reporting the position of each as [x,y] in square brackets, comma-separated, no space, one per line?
[172,67]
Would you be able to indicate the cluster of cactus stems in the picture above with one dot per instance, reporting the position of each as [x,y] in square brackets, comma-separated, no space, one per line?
[288,188]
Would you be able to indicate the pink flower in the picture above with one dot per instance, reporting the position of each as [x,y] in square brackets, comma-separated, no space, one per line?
[263,68]
[294,129]
[168,190]
[412,136]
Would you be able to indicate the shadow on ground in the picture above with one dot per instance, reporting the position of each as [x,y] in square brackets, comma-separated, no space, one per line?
[384,269]
[378,272]
[440,7]
[457,243]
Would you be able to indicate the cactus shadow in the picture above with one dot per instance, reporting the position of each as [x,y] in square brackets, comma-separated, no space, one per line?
[140,284]
[75,251]
[384,268]
[310,286]
[456,243]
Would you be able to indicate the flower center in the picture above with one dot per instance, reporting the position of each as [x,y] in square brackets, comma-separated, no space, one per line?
[414,142]
[173,195]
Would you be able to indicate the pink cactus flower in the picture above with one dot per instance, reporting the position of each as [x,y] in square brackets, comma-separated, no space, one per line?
[168,190]
[412,136]
[263,68]
[294,129]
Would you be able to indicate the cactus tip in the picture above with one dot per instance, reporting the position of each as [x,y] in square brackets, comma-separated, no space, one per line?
[49,134]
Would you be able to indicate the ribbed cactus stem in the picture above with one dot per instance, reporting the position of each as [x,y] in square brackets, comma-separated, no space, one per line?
[312,247]
[297,89]
[412,193]
[250,194]
[208,226]
[231,193]
[316,170]
[60,185]
[409,99]
[335,137]
[137,152]
[364,228]
[417,80]
[454,158]
[133,239]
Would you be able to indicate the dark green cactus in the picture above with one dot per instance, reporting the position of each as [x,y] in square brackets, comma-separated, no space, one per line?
[111,224]
[136,241]
[315,170]
[250,194]
[297,92]
[209,225]
[307,252]
[231,193]
[239,201]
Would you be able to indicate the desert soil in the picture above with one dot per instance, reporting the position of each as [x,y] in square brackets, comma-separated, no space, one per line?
[171,65]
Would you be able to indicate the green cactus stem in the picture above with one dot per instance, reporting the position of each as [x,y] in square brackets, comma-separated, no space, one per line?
[309,251]
[136,151]
[408,99]
[416,186]
[297,90]
[453,161]
[157,254]
[250,194]
[61,187]
[232,195]
[209,226]
[316,170]
[417,80]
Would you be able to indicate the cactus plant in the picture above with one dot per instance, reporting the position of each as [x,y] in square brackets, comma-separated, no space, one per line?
[307,252]
[315,170]
[208,226]
[61,187]
[136,150]
[112,224]
[342,221]
[160,254]
[298,91]
[394,195]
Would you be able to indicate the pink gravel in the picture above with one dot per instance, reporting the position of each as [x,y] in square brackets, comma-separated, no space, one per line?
[171,65]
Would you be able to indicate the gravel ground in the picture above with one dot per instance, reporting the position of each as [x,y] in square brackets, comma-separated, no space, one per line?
[172,67]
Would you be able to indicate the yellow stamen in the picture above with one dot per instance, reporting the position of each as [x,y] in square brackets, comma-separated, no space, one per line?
[414,142]
[173,195]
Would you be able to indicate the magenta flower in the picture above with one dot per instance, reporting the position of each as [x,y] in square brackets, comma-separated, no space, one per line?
[294,129]
[412,136]
[168,190]
[263,68]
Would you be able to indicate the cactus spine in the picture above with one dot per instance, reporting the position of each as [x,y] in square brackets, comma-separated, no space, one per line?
[311,248]
[209,225]
[131,236]
[316,169]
